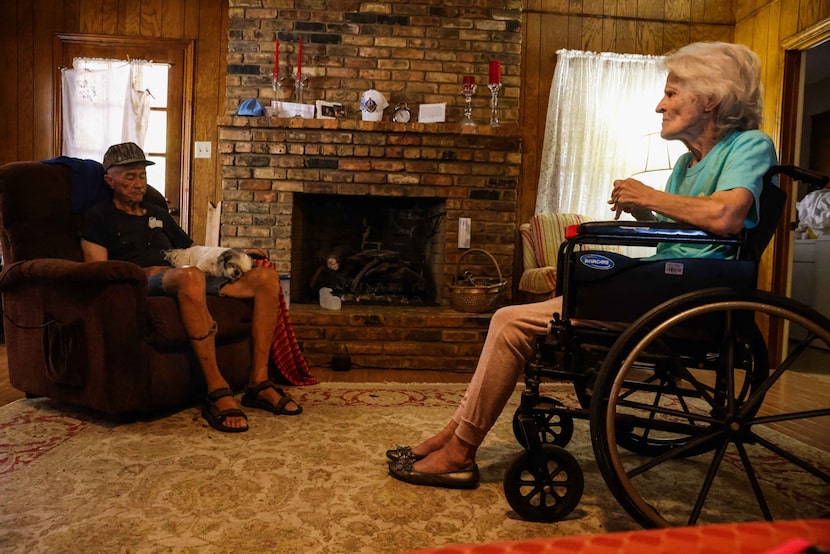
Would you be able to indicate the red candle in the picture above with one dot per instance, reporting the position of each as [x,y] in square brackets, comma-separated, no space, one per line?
[277,59]
[469,80]
[300,58]
[495,72]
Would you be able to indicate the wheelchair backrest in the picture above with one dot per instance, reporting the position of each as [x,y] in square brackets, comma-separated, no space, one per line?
[773,200]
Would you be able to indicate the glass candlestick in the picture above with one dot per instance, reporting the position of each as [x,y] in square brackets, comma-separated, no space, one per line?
[279,82]
[300,82]
[468,89]
[494,103]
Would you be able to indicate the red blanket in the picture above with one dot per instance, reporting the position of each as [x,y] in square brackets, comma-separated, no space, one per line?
[288,363]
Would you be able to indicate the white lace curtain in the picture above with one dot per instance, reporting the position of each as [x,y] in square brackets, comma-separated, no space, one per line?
[600,124]
[104,102]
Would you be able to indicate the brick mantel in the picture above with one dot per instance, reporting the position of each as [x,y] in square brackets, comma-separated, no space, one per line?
[265,161]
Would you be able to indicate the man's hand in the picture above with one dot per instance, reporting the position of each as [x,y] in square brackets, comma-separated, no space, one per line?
[257,253]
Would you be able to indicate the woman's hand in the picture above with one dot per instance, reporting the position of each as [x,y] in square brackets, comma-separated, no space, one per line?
[629,194]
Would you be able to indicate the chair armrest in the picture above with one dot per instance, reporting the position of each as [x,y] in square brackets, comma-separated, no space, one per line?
[57,271]
[528,257]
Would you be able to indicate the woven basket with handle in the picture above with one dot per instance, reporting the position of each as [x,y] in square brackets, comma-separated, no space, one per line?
[478,294]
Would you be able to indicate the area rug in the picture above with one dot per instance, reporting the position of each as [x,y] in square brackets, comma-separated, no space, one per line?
[71,481]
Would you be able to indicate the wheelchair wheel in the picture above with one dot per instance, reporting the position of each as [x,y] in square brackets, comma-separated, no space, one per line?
[660,372]
[721,413]
[556,429]
[544,486]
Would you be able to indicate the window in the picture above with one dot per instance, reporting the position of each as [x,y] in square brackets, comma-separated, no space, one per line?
[601,125]
[95,101]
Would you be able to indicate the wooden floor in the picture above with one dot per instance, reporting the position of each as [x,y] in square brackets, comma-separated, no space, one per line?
[805,389]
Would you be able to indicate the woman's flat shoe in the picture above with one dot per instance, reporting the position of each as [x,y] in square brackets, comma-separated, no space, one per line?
[465,478]
[402,452]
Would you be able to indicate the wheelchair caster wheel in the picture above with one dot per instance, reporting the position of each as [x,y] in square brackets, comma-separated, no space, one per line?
[556,429]
[544,486]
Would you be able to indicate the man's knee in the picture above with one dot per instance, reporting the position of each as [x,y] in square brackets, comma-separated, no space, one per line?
[185,280]
[263,278]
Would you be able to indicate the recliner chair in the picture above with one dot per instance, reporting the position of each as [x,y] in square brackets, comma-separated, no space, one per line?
[87,333]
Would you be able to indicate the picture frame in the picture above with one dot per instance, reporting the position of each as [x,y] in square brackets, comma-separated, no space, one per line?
[330,110]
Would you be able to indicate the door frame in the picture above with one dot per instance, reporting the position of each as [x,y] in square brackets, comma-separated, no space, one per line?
[791,97]
[176,52]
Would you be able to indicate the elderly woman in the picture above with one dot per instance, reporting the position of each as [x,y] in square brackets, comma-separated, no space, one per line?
[712,103]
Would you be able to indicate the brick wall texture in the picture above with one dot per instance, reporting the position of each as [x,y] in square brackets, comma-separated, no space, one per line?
[411,51]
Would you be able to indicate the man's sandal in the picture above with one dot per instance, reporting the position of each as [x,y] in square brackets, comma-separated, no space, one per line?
[251,399]
[216,417]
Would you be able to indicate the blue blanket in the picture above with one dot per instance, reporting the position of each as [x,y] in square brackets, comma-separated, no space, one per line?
[88,185]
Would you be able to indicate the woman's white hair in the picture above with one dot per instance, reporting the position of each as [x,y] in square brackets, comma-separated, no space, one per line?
[729,74]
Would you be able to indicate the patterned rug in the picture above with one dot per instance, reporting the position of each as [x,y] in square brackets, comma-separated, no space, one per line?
[73,482]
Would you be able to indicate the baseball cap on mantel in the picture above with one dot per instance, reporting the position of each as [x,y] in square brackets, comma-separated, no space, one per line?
[126,153]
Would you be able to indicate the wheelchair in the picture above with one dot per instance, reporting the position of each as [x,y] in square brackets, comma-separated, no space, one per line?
[670,367]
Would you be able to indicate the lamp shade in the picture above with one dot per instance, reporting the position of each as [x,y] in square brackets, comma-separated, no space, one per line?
[656,158]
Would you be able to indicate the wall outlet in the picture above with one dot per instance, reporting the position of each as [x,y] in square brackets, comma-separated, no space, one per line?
[464,225]
[201,149]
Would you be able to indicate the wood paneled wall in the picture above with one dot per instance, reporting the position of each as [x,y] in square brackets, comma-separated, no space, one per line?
[763,25]
[28,71]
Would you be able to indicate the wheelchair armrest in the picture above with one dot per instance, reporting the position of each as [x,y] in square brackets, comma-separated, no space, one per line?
[645,233]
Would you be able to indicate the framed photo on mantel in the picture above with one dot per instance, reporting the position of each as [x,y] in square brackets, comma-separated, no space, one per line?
[330,110]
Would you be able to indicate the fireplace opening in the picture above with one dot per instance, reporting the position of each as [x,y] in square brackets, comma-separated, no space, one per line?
[368,249]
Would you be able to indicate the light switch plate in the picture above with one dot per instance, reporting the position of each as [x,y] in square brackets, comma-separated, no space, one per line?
[201,149]
[464,225]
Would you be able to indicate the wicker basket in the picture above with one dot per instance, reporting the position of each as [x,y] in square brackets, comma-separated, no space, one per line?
[484,295]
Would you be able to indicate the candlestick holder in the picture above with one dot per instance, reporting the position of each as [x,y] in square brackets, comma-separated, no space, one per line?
[468,90]
[278,82]
[494,103]
[300,83]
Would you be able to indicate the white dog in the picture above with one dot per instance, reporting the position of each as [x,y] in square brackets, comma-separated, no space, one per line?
[213,260]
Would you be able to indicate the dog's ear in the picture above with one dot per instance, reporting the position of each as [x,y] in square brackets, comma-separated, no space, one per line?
[224,257]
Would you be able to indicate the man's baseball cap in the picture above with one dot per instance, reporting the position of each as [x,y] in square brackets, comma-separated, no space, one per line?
[250,106]
[126,153]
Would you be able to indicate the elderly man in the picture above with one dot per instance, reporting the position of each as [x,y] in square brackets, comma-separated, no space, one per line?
[126,228]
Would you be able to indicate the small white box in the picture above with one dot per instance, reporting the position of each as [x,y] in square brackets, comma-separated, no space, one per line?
[292,109]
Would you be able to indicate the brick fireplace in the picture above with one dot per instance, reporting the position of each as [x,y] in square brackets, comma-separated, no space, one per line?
[271,166]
